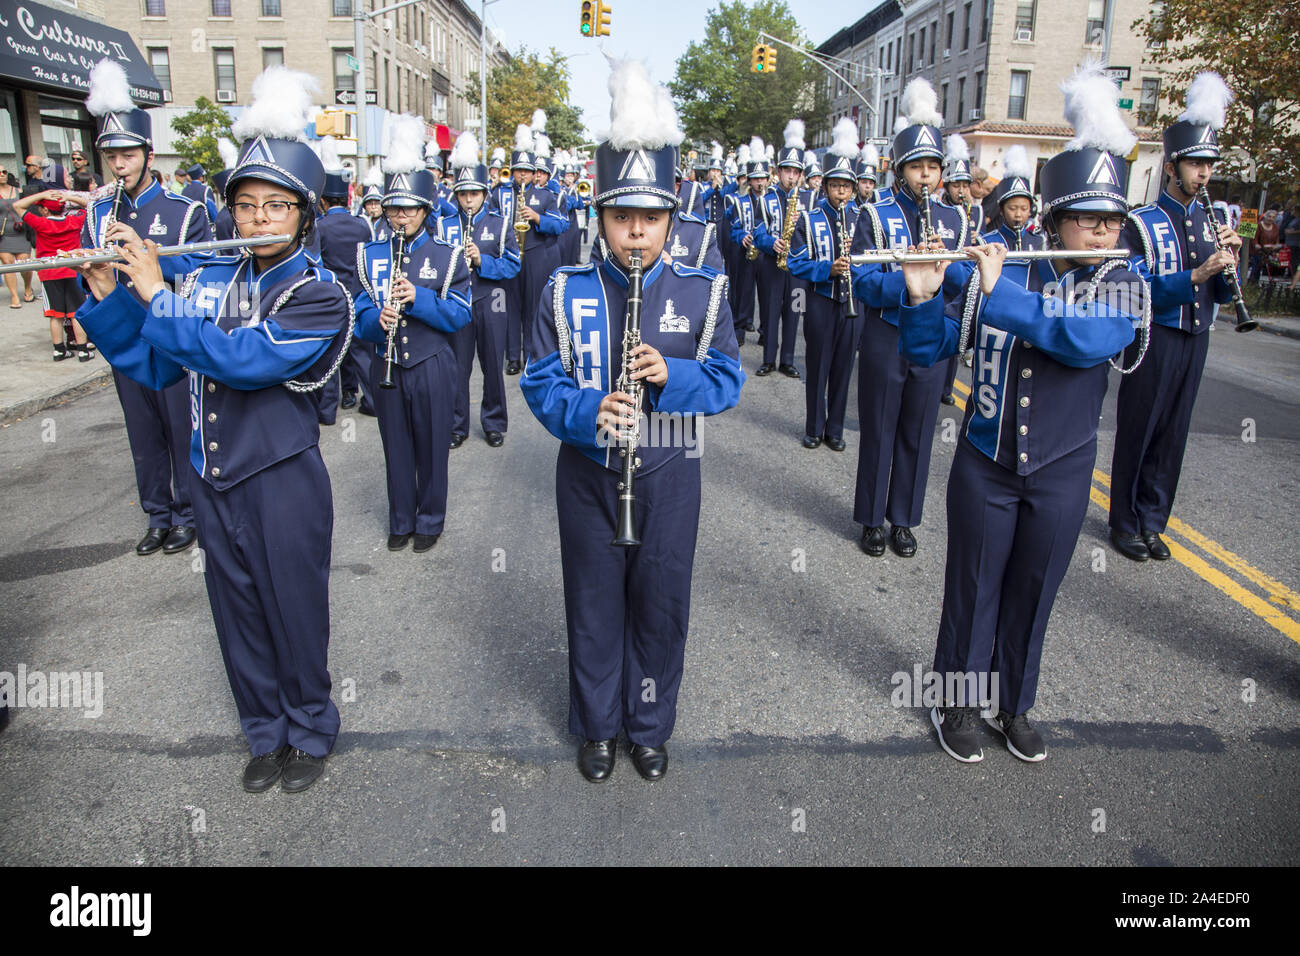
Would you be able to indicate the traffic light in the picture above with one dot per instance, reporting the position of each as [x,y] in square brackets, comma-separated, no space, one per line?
[771,60]
[602,19]
[588,23]
[758,60]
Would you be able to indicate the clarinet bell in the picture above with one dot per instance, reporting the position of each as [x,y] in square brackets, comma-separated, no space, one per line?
[625,534]
[1244,322]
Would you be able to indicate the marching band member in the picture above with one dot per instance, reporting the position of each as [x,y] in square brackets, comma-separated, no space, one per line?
[812,176]
[577,207]
[442,203]
[257,333]
[713,209]
[780,316]
[628,608]
[1185,267]
[868,163]
[492,254]
[340,234]
[956,189]
[898,401]
[157,419]
[819,255]
[196,190]
[430,285]
[509,199]
[494,166]
[372,203]
[1018,490]
[1015,202]
[740,223]
[543,211]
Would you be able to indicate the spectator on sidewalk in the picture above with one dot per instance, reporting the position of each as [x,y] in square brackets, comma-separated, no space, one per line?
[1291,239]
[1267,242]
[58,230]
[79,166]
[14,243]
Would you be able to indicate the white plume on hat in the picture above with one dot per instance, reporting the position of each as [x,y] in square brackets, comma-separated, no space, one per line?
[871,155]
[281,107]
[229,153]
[538,125]
[844,138]
[920,103]
[405,152]
[1016,163]
[109,90]
[793,134]
[465,152]
[641,113]
[523,139]
[900,124]
[542,145]
[374,177]
[432,150]
[1092,108]
[955,149]
[716,151]
[1207,100]
[742,155]
[498,154]
[328,151]
[757,151]
[810,158]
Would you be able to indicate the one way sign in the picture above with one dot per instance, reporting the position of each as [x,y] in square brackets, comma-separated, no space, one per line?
[349,97]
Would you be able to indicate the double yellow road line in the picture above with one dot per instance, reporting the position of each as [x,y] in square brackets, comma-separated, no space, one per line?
[1267,598]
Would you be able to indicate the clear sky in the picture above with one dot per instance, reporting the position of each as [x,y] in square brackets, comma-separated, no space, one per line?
[657,31]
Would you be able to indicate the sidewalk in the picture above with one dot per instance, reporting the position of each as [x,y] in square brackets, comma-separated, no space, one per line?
[1288,325]
[30,380]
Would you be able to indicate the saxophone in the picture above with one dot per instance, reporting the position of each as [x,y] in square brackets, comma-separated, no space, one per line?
[521,224]
[787,228]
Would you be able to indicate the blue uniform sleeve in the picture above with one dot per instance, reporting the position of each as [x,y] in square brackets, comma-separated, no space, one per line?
[873,283]
[737,223]
[552,222]
[114,325]
[272,352]
[565,410]
[367,326]
[927,333]
[802,260]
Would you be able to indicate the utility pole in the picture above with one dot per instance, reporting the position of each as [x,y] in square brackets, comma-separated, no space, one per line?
[359,18]
[482,78]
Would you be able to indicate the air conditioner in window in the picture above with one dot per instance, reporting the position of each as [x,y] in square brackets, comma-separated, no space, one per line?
[225,96]
[167,96]
[1024,36]
[947,54]
[974,114]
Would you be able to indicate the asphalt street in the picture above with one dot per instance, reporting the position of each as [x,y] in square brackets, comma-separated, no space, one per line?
[1169,702]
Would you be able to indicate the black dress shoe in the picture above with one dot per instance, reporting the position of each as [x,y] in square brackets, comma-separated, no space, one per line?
[496,439]
[152,541]
[810,442]
[873,540]
[650,762]
[457,440]
[325,421]
[396,542]
[513,368]
[178,539]
[948,400]
[1130,545]
[262,772]
[789,370]
[423,542]
[1159,550]
[301,770]
[901,540]
[349,400]
[764,369]
[834,444]
[596,759]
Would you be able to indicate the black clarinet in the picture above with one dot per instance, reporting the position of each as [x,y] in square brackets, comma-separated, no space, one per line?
[850,307]
[625,535]
[390,354]
[1244,322]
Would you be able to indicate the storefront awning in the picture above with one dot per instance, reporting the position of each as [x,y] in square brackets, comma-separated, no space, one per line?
[54,50]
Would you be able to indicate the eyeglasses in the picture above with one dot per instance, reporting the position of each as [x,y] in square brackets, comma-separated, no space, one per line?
[277,210]
[1091,222]
[402,212]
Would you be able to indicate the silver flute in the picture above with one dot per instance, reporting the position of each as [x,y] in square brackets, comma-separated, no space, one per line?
[52,262]
[902,255]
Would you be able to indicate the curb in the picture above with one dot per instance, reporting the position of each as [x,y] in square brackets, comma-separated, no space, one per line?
[1290,331]
[24,408]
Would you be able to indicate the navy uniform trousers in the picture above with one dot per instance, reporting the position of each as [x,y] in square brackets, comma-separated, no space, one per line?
[741,290]
[1153,417]
[541,259]
[515,313]
[1010,541]
[271,608]
[486,335]
[158,429]
[778,321]
[415,426]
[830,339]
[608,691]
[898,404]
[949,375]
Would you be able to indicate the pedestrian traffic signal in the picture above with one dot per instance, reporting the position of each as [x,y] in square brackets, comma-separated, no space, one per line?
[602,19]
[588,22]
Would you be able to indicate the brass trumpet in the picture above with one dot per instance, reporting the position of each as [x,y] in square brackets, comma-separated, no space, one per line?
[504,172]
[584,188]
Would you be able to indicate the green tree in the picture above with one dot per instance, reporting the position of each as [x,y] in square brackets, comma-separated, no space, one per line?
[198,131]
[529,82]
[1255,46]
[720,98]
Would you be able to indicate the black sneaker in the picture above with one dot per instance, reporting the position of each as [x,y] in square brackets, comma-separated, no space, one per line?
[61,352]
[1022,739]
[956,727]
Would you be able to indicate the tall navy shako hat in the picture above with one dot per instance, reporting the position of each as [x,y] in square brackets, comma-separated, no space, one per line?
[196,171]
[956,160]
[792,152]
[498,158]
[271,127]
[122,125]
[407,182]
[637,161]
[1017,177]
[920,138]
[869,162]
[433,156]
[374,183]
[336,177]
[1088,175]
[757,158]
[469,172]
[219,181]
[811,167]
[844,147]
[522,157]
[1196,134]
